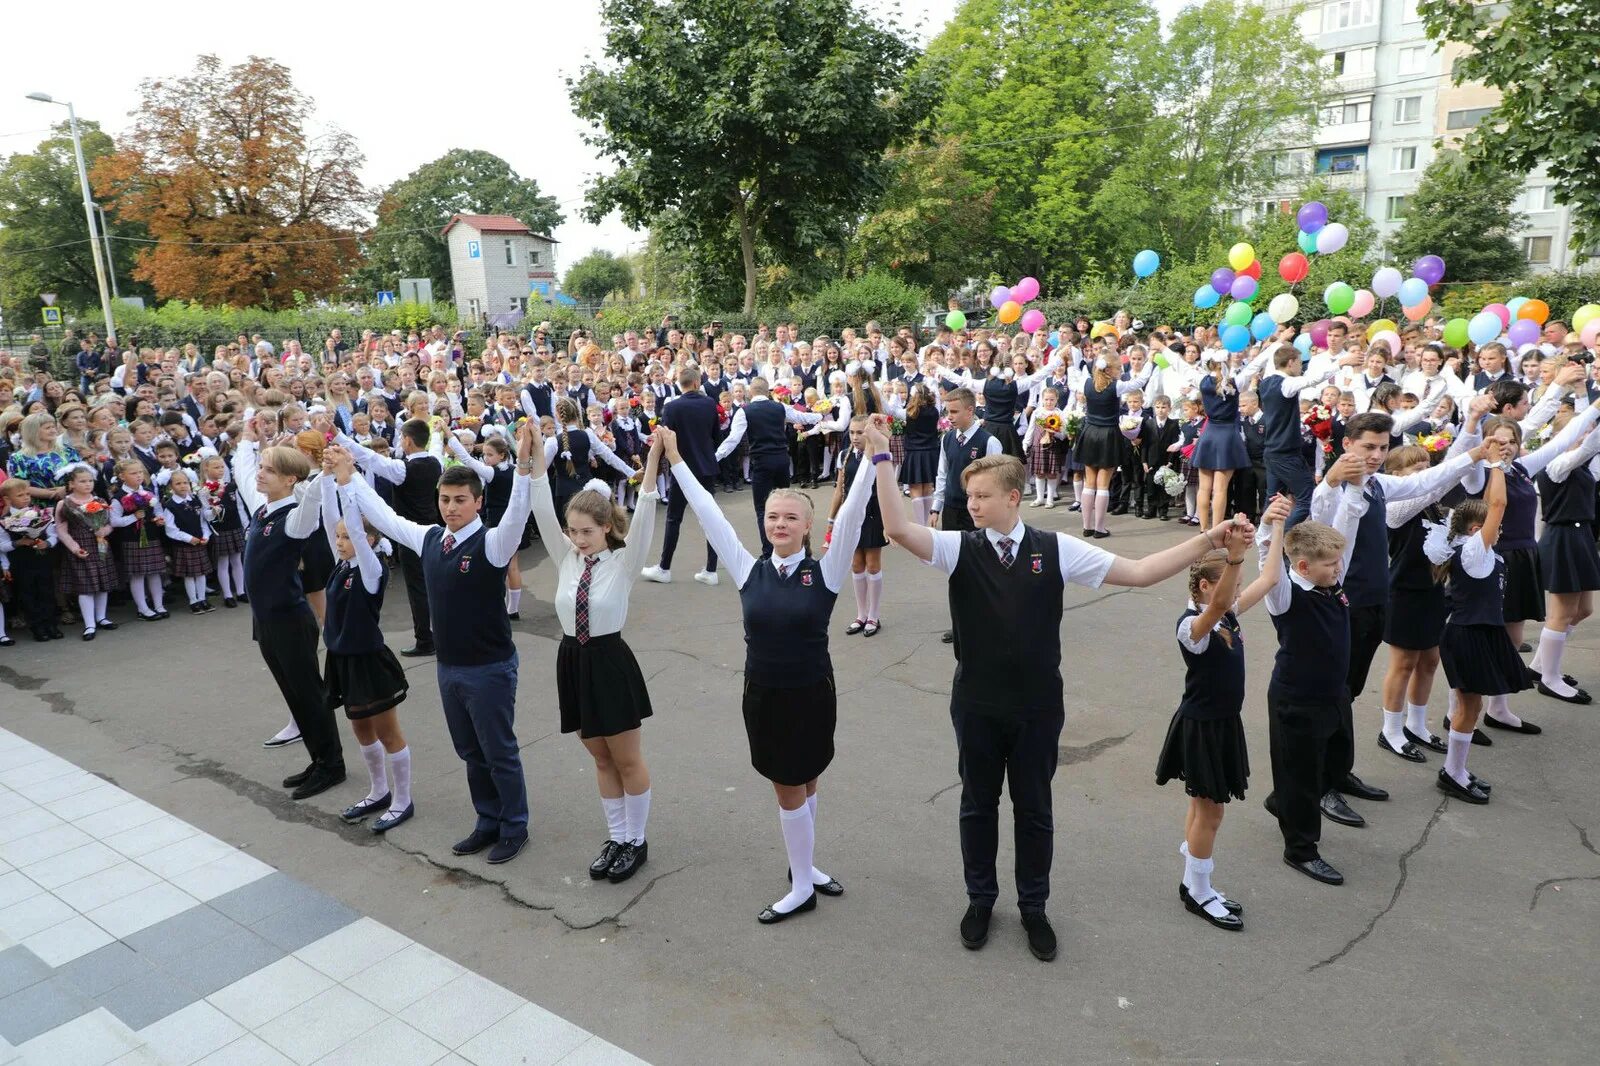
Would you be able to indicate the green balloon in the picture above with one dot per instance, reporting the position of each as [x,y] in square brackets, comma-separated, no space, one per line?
[1339,297]
[1455,332]
[1307,242]
[956,320]
[1238,314]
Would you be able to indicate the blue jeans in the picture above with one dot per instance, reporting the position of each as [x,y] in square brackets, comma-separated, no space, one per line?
[480,708]
[1289,474]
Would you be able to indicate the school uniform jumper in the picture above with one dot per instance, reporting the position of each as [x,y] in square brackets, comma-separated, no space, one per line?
[956,451]
[1205,746]
[693,417]
[764,424]
[1476,652]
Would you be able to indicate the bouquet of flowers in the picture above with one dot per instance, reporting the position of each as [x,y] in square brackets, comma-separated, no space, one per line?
[1074,425]
[1436,443]
[1319,420]
[822,406]
[136,503]
[1170,481]
[944,424]
[897,427]
[1129,426]
[29,523]
[96,514]
[1050,421]
[781,393]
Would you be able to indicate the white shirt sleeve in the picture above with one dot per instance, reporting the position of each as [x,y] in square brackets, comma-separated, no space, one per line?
[484,471]
[1082,564]
[357,493]
[390,469]
[544,517]
[245,463]
[604,451]
[1535,461]
[640,533]
[1477,558]
[847,527]
[368,565]
[938,482]
[306,517]
[1278,596]
[1197,647]
[946,550]
[735,435]
[1562,466]
[718,530]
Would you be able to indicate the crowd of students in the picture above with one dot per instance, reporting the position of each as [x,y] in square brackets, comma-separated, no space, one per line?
[1431,499]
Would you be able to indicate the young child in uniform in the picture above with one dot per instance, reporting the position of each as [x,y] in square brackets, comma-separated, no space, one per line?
[227,529]
[27,533]
[866,565]
[189,527]
[136,521]
[83,526]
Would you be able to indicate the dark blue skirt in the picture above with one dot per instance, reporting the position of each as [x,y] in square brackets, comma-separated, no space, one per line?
[1221,448]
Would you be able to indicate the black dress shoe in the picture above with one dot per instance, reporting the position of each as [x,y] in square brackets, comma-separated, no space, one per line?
[358,812]
[1525,648]
[321,779]
[391,818]
[1271,803]
[106,623]
[1534,677]
[1408,751]
[1579,697]
[1469,793]
[242,598]
[474,842]
[602,862]
[56,634]
[831,888]
[768,916]
[1228,904]
[296,780]
[1101,534]
[6,642]
[854,627]
[88,634]
[1479,737]
[1360,789]
[1480,782]
[629,858]
[229,601]
[507,848]
[1431,743]
[163,614]
[1229,921]
[1334,807]
[975,926]
[1316,869]
[949,636]
[1041,938]
[1524,727]
[277,742]
[417,651]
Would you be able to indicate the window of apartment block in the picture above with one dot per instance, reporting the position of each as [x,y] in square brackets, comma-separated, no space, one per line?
[1395,209]
[1536,249]
[1538,198]
[1404,159]
[511,253]
[1408,109]
[1413,59]
[1345,14]
[473,307]
[1353,62]
[1408,12]
[1465,119]
[519,303]
[1347,112]
[533,257]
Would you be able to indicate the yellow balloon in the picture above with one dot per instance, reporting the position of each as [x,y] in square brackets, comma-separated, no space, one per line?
[1241,256]
[1418,311]
[1381,325]
[1101,329]
[1010,311]
[1585,314]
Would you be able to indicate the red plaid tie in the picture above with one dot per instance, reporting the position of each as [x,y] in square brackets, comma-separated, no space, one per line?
[449,543]
[1006,558]
[783,571]
[581,601]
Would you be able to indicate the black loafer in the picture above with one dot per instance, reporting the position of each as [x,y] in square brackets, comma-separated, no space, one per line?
[854,627]
[1479,737]
[357,812]
[474,842]
[1407,751]
[506,849]
[768,916]
[1480,782]
[1271,803]
[831,888]
[1525,648]
[1431,743]
[1524,727]
[1229,921]
[975,926]
[1317,869]
[321,779]
[1335,808]
[949,636]
[391,818]
[1578,697]
[1358,788]
[106,623]
[629,858]
[296,780]
[602,862]
[88,634]
[1230,905]
[1468,793]
[418,651]
[1041,938]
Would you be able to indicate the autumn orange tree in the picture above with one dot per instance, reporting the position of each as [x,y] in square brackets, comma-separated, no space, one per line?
[244,206]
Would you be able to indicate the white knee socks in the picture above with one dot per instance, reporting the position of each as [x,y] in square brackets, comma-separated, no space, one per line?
[636,812]
[140,601]
[400,773]
[800,840]
[101,599]
[196,588]
[1052,486]
[158,598]
[372,755]
[874,595]
[86,607]
[817,876]
[616,817]
[1455,761]
[513,601]
[1191,500]
[1499,708]
[225,578]
[1552,643]
[860,583]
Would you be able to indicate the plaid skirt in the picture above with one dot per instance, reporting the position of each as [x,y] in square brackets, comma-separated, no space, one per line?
[1191,473]
[225,542]
[85,577]
[897,450]
[135,561]
[190,560]
[1045,459]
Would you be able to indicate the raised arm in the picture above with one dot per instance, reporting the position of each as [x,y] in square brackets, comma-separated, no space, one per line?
[1241,377]
[484,471]
[602,449]
[1437,479]
[1156,568]
[355,492]
[303,521]
[719,531]
[1137,382]
[390,469]
[1535,461]
[500,543]
[368,565]
[1562,466]
[897,524]
[246,461]
[847,523]
[328,495]
[642,530]
[1271,564]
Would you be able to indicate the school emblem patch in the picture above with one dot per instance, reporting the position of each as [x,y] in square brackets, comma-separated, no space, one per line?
[466,563]
[348,581]
[266,530]
[1038,564]
[805,578]
[973,454]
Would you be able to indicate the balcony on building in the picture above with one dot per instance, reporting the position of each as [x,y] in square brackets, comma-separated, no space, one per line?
[1343,168]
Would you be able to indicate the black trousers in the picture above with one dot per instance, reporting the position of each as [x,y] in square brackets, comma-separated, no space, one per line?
[990,749]
[675,509]
[416,595]
[1366,635]
[1289,474]
[35,592]
[1132,491]
[289,648]
[1246,491]
[1156,500]
[1312,747]
[766,474]
[956,519]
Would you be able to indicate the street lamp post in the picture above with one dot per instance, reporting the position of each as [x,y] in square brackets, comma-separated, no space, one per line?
[111,260]
[88,210]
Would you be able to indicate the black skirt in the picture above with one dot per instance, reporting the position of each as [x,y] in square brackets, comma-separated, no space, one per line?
[1101,447]
[316,562]
[1482,660]
[1415,618]
[1568,558]
[921,466]
[1524,596]
[1208,755]
[872,530]
[365,685]
[599,687]
[1003,431]
[790,729]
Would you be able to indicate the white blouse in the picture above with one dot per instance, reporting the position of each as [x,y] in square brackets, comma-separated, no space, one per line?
[611,582]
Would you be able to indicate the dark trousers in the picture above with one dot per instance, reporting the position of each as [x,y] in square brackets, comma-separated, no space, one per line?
[766,474]
[480,712]
[1289,474]
[1130,494]
[416,595]
[990,750]
[956,519]
[1366,635]
[1246,491]
[289,648]
[1312,745]
[35,592]
[675,509]
[1156,500]
[810,464]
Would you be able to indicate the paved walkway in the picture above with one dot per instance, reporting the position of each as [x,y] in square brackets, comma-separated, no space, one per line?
[128,936]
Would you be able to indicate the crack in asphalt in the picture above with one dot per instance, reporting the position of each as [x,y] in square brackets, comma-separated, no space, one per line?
[1550,882]
[1394,897]
[1583,838]
[58,702]
[941,792]
[852,1041]
[274,801]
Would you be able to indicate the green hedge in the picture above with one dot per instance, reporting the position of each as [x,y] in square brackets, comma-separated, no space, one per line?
[177,323]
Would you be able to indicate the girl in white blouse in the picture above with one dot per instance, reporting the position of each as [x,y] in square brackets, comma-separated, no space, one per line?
[599,686]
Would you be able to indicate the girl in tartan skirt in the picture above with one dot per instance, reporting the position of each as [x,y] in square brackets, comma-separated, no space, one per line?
[83,526]
[188,526]
[136,521]
[227,529]
[1046,448]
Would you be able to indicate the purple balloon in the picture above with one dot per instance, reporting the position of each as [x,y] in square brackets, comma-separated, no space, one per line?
[1312,216]
[1523,331]
[1319,332]
[1222,280]
[1244,287]
[1429,268]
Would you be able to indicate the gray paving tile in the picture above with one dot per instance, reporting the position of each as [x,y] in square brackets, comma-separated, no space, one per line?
[20,968]
[298,926]
[224,961]
[149,999]
[276,892]
[39,1008]
[105,968]
[181,935]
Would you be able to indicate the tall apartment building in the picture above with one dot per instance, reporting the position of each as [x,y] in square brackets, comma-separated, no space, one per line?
[1393,101]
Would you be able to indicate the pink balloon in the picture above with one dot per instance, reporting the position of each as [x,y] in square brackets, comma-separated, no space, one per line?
[1025,290]
[1363,303]
[1591,333]
[1389,337]
[1032,321]
[1502,311]
[1319,332]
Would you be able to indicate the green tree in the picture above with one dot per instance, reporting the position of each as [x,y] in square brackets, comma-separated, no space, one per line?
[596,276]
[929,225]
[1464,215]
[1540,54]
[44,238]
[769,116]
[406,241]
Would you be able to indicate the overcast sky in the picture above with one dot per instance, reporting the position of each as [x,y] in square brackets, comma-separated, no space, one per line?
[409,87]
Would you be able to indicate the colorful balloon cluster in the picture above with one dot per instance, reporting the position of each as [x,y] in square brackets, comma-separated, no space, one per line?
[1520,320]
[1009,301]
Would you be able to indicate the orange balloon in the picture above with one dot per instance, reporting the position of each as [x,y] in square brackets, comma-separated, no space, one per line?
[1417,312]
[1537,310]
[1010,311]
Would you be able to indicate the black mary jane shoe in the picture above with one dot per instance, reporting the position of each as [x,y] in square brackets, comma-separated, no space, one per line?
[768,916]
[6,642]
[1524,726]
[832,888]
[1228,904]
[163,614]
[1468,793]
[149,618]
[242,598]
[229,602]
[1101,534]
[1407,751]
[1229,921]
[357,812]
[88,634]
[629,858]
[391,818]
[1479,737]
[106,623]
[1579,697]
[1534,677]
[854,627]
[872,629]
[1431,743]
[602,862]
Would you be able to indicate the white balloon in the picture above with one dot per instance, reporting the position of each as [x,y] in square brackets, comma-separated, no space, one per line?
[1331,238]
[1386,282]
[1283,307]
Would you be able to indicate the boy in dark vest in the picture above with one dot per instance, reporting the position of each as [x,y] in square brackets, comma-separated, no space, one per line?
[1006,584]
[964,442]
[415,479]
[465,568]
[1279,393]
[765,422]
[693,417]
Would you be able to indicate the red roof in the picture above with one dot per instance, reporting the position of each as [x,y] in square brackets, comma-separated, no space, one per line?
[493,224]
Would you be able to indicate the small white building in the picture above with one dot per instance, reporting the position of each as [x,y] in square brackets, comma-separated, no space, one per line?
[498,265]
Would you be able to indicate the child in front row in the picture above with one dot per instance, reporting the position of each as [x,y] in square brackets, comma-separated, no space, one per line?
[189,525]
[1205,744]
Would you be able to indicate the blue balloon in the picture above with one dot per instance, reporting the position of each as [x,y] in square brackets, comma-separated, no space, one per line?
[1206,296]
[1262,326]
[1235,338]
[1303,342]
[1146,263]
[1412,292]
[1055,339]
[1484,327]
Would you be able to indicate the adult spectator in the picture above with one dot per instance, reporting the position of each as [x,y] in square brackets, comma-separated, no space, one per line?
[41,455]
